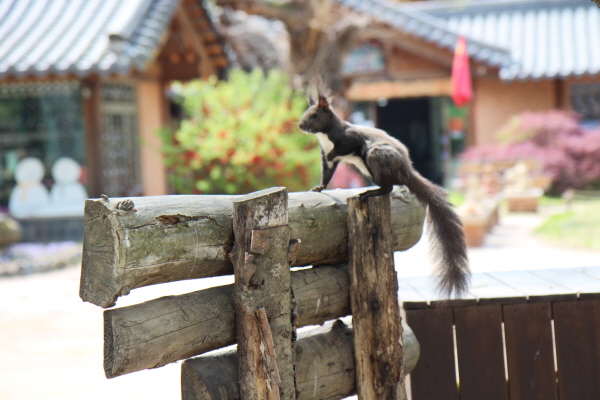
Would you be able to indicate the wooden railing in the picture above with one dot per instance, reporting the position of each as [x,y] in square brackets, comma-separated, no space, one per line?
[518,335]
[131,243]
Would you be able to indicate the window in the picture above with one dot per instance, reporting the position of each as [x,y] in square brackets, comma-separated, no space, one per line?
[119,137]
[585,100]
[42,120]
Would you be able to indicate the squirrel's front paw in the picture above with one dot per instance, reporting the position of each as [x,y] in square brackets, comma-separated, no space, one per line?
[317,188]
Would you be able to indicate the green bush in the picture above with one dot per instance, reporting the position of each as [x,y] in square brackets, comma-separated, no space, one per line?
[241,135]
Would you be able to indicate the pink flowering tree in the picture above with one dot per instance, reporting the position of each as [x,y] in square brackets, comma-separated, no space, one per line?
[568,153]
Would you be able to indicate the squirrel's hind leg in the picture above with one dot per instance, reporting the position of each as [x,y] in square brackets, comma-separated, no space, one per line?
[384,188]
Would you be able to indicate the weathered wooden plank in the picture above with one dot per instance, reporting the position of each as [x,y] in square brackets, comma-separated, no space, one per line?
[480,353]
[409,297]
[170,238]
[587,287]
[426,286]
[529,352]
[577,333]
[594,272]
[492,291]
[434,376]
[374,298]
[324,367]
[537,288]
[262,296]
[168,329]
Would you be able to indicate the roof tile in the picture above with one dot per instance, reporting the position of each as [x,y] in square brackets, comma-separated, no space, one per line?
[33,43]
[526,39]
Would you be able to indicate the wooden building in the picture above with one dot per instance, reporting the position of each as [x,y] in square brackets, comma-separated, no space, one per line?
[525,55]
[88,80]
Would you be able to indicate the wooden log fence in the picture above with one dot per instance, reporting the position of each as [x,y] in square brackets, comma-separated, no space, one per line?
[130,243]
[157,239]
[325,367]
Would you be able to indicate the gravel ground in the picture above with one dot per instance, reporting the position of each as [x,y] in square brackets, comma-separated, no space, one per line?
[51,342]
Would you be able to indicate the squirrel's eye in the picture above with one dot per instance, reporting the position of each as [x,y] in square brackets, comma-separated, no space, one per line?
[313,115]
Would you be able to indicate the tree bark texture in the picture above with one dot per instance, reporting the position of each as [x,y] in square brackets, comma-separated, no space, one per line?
[262,296]
[325,367]
[374,300]
[160,239]
[172,328]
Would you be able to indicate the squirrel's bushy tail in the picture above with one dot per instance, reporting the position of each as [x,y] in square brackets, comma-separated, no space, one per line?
[447,239]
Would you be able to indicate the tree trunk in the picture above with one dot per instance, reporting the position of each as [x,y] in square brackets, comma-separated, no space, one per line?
[319,35]
[324,367]
[374,299]
[169,238]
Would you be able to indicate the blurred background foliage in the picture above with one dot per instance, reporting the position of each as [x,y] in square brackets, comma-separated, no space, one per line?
[568,152]
[240,135]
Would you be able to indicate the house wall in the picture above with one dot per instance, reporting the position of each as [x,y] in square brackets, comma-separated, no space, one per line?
[151,117]
[402,64]
[496,101]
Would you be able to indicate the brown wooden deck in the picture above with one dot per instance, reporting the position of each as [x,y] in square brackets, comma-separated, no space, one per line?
[517,335]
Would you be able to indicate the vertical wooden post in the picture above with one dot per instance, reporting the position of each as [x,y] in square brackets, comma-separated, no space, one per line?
[374,299]
[262,296]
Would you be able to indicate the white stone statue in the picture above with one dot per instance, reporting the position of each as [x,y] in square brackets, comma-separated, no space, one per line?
[67,196]
[30,199]
[30,196]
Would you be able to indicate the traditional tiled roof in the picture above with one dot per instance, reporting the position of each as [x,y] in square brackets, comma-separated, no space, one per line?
[41,37]
[525,39]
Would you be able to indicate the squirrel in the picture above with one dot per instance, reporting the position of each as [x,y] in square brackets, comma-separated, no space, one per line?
[386,161]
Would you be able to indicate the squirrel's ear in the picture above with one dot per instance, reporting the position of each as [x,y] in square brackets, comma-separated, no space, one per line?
[323,101]
[324,94]
[312,93]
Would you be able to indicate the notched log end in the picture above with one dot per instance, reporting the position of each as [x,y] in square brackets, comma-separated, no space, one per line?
[259,241]
[101,273]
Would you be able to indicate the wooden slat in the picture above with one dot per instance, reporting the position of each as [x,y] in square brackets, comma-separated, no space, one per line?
[577,331]
[492,291]
[529,351]
[426,286]
[480,353]
[409,297]
[433,329]
[587,287]
[593,272]
[535,287]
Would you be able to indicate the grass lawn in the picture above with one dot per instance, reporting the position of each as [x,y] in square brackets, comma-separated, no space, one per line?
[578,227]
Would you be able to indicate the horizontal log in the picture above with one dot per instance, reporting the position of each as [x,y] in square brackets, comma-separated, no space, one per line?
[160,239]
[325,367]
[168,329]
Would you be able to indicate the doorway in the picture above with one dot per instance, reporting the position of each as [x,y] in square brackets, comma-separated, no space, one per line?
[416,122]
